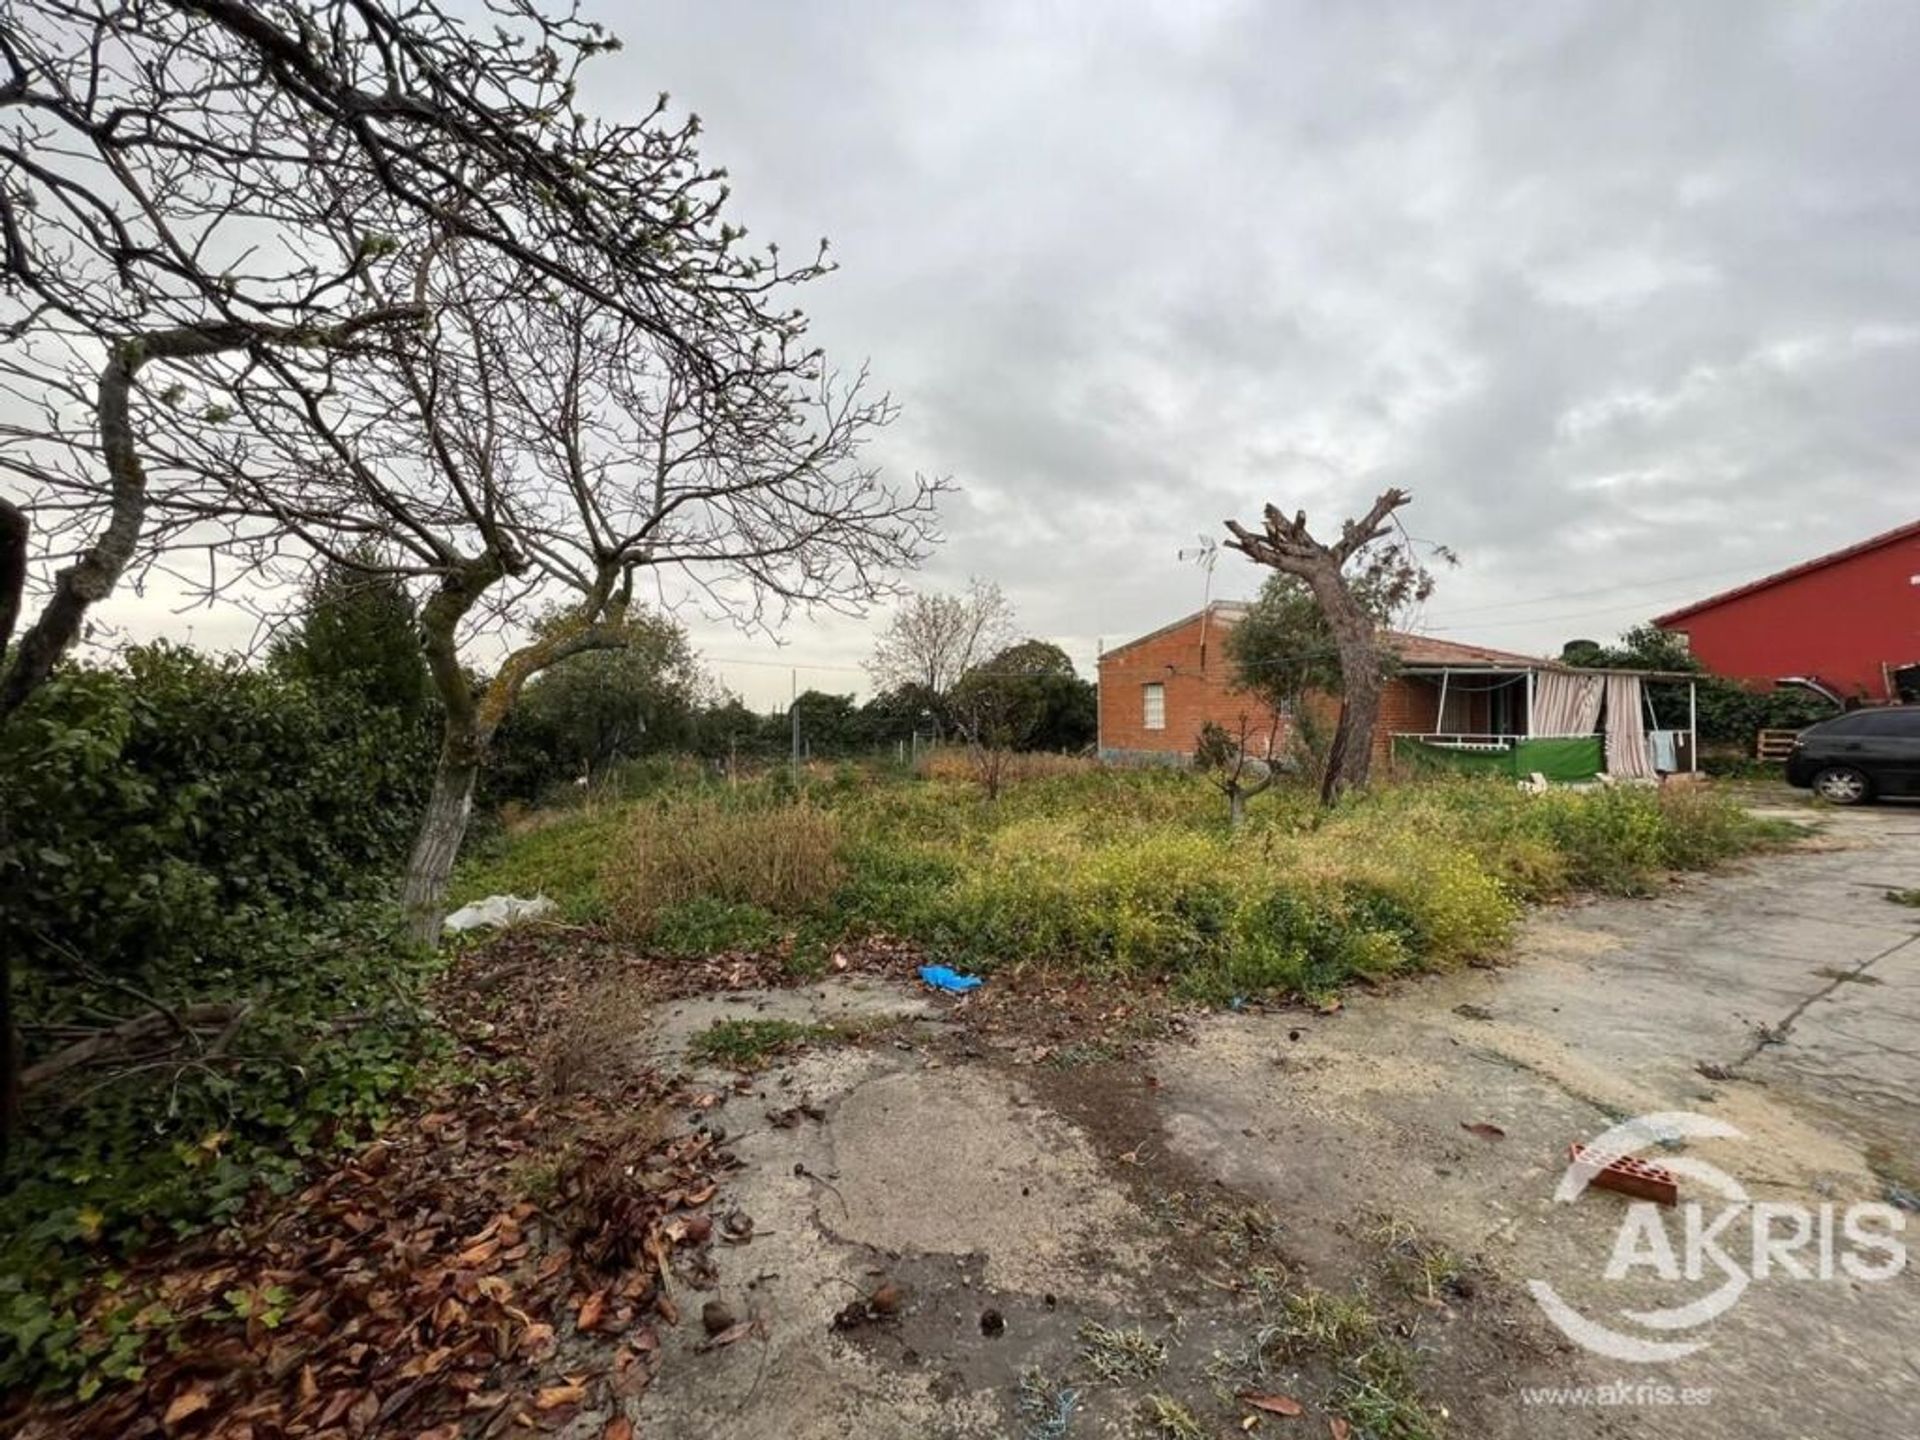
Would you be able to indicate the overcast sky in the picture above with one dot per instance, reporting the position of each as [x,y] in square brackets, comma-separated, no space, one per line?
[1627,295]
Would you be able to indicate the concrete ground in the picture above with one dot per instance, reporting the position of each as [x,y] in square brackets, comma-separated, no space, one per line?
[1211,1189]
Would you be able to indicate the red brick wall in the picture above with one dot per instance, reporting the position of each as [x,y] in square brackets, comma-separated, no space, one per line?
[1199,688]
[1410,706]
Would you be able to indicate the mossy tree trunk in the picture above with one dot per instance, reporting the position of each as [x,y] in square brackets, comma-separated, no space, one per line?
[473,714]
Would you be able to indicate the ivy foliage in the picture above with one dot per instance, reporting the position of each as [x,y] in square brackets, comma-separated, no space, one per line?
[183,835]
[1729,713]
[151,812]
[135,1152]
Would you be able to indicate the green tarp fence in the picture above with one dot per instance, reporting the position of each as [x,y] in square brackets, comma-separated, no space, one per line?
[1577,757]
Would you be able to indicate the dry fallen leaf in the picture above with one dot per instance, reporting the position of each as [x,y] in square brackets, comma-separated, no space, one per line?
[689,1229]
[1483,1130]
[554,1396]
[1272,1404]
[618,1428]
[364,1412]
[1338,1428]
[591,1310]
[478,1255]
[187,1404]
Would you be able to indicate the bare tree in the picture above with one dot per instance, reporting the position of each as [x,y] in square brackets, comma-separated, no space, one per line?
[1227,756]
[994,712]
[163,233]
[933,640]
[1286,545]
[228,232]
[532,453]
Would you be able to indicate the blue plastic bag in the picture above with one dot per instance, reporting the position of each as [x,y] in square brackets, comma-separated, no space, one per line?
[952,981]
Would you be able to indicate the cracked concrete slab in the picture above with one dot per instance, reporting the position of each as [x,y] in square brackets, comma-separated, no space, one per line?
[945,1180]
[983,1185]
[1605,1012]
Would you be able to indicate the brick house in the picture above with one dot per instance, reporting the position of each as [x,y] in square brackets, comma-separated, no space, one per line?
[1445,699]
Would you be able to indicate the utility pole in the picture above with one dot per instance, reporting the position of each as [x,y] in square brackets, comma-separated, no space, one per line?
[793,714]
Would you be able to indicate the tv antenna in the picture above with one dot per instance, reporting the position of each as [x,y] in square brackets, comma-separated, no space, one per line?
[1205,555]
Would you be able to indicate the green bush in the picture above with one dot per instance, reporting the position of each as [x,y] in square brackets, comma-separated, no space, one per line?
[332,1029]
[150,814]
[182,831]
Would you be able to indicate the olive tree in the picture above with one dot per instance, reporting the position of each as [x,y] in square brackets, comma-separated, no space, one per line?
[1350,606]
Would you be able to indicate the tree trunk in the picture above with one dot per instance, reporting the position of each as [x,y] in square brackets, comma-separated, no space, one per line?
[14,533]
[443,827]
[1236,807]
[1350,757]
[473,719]
[1286,545]
[9,1062]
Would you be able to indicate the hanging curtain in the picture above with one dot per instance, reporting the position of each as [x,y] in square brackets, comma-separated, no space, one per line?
[1627,729]
[1564,704]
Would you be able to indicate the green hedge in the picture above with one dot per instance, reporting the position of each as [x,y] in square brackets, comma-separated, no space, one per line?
[192,830]
[151,813]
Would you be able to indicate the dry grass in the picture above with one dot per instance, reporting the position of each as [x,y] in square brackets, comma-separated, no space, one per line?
[595,1042]
[1116,1353]
[954,762]
[783,859]
[1168,1418]
[1420,1267]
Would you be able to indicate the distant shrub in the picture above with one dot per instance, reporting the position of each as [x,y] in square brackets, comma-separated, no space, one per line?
[782,858]
[952,762]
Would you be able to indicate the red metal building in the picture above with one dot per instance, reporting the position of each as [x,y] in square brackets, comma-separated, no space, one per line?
[1850,620]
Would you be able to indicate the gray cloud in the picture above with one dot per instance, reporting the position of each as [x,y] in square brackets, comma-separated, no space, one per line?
[1627,294]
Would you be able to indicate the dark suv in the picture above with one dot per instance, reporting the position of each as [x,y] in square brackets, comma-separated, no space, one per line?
[1859,755]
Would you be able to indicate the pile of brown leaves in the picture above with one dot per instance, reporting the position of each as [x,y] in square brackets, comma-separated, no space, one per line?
[497,1261]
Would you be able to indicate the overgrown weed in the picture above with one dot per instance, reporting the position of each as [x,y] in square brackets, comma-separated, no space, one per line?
[1121,1353]
[1116,872]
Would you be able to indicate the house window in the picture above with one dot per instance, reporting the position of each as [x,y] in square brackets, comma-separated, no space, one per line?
[1154,700]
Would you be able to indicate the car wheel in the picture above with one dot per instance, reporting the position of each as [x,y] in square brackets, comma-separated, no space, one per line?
[1842,785]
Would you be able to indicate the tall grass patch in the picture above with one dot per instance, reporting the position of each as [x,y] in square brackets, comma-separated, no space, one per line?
[779,859]
[1132,872]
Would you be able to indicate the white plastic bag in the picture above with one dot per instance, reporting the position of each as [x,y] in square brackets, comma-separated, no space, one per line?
[498,910]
